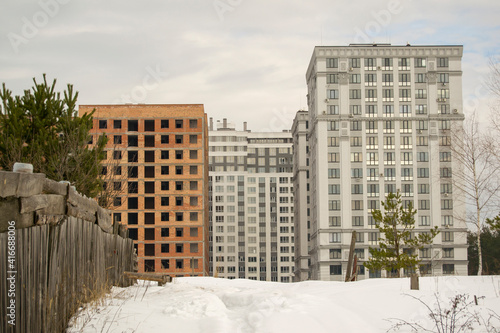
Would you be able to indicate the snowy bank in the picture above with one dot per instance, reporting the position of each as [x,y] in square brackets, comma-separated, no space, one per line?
[191,305]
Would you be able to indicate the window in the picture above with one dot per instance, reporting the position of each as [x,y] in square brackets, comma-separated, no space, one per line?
[370,63]
[179,170]
[420,62]
[149,202]
[132,171]
[333,109]
[423,189]
[179,123]
[357,221]
[165,201]
[193,154]
[355,62]
[193,123]
[448,253]
[149,141]
[442,62]
[333,141]
[332,78]
[444,78]
[334,221]
[164,123]
[447,220]
[133,218]
[117,139]
[103,124]
[335,237]
[334,157]
[420,93]
[333,173]
[333,94]
[179,139]
[333,189]
[334,205]
[424,204]
[149,125]
[421,109]
[371,79]
[133,141]
[356,189]
[371,110]
[164,139]
[387,80]
[332,63]
[425,253]
[164,170]
[357,204]
[423,172]
[133,203]
[355,78]
[360,253]
[149,156]
[133,125]
[335,254]
[355,94]
[356,157]
[356,125]
[422,157]
[446,204]
[447,236]
[333,125]
[404,63]
[448,269]
[193,170]
[445,140]
[193,139]
[117,124]
[149,171]
[165,216]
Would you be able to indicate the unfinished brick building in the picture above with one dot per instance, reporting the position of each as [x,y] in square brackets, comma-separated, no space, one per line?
[157,162]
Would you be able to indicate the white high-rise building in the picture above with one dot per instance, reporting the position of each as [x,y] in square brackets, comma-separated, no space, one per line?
[379,121]
[251,204]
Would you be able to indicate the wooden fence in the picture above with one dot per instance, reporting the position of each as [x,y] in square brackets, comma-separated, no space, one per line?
[59,267]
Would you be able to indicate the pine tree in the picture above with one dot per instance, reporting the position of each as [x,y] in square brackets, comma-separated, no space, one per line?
[43,128]
[399,245]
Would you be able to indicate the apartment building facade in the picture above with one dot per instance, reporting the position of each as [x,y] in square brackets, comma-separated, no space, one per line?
[251,204]
[379,121]
[157,164]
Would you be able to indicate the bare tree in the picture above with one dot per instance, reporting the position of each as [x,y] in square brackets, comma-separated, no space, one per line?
[478,173]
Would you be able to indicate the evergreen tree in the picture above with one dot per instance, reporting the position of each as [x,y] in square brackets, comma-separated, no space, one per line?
[399,245]
[490,246]
[43,128]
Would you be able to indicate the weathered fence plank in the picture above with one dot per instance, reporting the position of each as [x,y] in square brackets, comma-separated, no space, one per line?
[60,267]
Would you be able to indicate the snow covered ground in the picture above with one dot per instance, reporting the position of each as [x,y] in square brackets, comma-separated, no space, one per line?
[190,305]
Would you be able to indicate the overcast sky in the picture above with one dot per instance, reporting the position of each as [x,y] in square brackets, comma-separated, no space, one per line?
[245,60]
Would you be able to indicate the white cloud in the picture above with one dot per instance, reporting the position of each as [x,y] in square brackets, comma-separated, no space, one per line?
[247,66]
